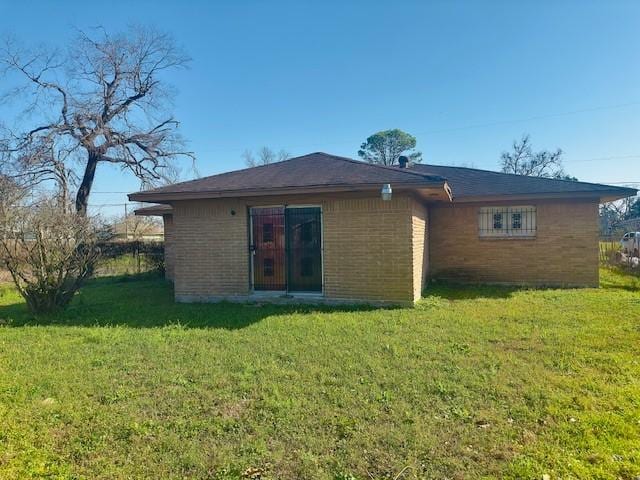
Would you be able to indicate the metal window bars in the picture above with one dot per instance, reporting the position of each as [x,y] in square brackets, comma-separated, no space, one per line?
[509,221]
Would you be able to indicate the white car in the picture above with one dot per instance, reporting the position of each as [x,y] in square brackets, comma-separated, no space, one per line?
[630,243]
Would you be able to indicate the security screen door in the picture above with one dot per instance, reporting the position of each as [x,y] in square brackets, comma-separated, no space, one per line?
[268,249]
[286,248]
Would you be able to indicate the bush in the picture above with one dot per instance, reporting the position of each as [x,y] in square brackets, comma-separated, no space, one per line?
[49,251]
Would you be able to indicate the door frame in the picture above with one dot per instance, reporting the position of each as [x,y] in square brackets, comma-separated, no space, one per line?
[286,259]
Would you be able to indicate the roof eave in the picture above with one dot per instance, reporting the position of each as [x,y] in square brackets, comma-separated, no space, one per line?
[153,211]
[618,195]
[602,196]
[160,197]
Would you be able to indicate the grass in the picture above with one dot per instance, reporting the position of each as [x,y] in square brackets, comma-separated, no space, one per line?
[475,382]
[126,264]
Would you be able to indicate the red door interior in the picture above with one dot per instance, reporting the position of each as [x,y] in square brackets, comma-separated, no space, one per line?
[268,248]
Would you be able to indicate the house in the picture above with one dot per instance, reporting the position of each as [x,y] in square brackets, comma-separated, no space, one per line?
[136,228]
[325,227]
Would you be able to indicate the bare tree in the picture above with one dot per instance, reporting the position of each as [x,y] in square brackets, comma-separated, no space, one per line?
[103,101]
[612,213]
[49,250]
[137,227]
[265,156]
[522,160]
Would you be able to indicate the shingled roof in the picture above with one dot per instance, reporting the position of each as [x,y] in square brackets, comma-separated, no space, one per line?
[153,210]
[467,183]
[314,172]
[321,172]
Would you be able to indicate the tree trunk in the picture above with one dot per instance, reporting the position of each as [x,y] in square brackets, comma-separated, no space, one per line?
[82,198]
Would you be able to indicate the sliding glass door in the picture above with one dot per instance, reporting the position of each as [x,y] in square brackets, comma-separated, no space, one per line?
[286,249]
[304,249]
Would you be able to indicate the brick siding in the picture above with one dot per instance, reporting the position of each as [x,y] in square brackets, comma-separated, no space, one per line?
[169,248]
[564,251]
[383,251]
[420,246]
[210,244]
[368,251]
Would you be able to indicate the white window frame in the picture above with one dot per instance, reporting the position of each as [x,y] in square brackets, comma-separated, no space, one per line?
[487,221]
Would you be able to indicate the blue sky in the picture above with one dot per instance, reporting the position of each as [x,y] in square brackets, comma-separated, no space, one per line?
[466,78]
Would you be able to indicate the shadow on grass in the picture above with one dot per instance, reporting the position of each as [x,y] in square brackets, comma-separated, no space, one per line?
[460,291]
[146,301]
[611,278]
[627,288]
[617,278]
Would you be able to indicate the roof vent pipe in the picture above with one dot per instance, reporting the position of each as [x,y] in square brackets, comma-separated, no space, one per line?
[403,161]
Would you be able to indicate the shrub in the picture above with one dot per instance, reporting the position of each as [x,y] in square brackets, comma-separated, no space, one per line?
[48,249]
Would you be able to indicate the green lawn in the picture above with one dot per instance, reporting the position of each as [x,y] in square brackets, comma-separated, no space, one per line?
[472,383]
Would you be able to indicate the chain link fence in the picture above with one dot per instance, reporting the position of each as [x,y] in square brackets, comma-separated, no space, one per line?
[132,257]
[614,254]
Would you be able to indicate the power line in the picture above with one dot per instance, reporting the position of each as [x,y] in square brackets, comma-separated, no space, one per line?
[472,126]
[92,191]
[598,159]
[535,117]
[98,205]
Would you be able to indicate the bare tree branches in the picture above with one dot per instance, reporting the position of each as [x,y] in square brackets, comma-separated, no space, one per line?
[49,250]
[136,227]
[612,213]
[522,160]
[265,156]
[103,101]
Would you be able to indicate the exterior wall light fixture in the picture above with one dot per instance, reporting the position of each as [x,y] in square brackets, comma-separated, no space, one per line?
[386,192]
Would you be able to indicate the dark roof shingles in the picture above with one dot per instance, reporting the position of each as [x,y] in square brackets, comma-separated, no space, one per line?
[152,210]
[315,169]
[321,169]
[472,182]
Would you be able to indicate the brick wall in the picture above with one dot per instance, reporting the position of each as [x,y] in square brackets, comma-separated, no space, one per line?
[210,244]
[169,248]
[368,247]
[564,251]
[420,246]
[384,251]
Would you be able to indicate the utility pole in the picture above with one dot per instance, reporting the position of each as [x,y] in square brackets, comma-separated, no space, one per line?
[126,224]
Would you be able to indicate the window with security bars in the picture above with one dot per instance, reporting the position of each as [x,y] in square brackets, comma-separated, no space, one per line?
[516,221]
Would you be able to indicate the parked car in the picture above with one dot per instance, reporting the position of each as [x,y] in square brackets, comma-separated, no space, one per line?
[630,243]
